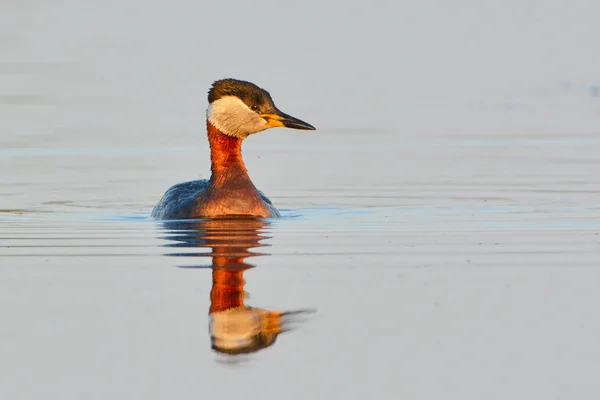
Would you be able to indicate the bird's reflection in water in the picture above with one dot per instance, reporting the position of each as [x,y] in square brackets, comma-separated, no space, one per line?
[235,328]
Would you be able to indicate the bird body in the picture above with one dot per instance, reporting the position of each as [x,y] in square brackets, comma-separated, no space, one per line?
[237,109]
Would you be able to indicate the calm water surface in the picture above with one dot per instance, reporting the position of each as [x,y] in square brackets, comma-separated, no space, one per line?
[431,246]
[469,277]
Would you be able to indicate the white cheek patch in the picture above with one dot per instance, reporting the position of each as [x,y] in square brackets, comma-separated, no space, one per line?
[232,117]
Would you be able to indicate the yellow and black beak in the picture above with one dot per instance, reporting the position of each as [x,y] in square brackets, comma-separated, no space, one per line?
[280,119]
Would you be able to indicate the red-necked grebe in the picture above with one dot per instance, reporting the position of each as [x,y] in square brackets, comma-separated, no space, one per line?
[236,110]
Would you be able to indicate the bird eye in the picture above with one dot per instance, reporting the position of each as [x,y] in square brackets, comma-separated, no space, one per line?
[254,107]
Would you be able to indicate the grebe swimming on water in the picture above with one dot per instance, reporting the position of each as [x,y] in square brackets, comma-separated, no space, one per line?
[236,110]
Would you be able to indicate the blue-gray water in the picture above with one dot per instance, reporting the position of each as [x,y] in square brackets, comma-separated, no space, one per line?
[440,229]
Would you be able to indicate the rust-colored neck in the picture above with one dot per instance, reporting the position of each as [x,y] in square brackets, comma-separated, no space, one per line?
[225,156]
[227,289]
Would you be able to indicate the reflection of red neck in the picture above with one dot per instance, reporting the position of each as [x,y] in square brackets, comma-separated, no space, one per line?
[225,156]
[227,289]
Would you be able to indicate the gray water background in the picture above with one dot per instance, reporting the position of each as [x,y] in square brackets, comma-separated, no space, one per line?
[443,220]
